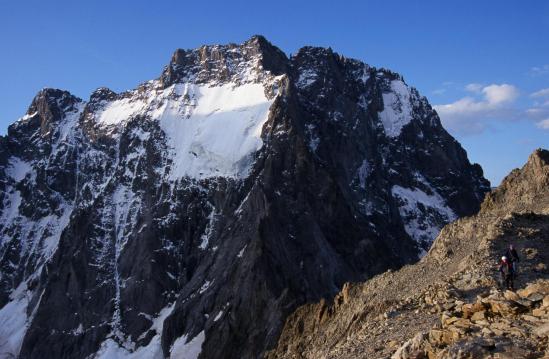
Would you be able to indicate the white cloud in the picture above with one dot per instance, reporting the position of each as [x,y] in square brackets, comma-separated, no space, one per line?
[540,93]
[475,88]
[500,94]
[472,115]
[543,124]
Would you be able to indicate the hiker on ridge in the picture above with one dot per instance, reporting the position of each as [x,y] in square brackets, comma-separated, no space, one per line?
[506,270]
[513,257]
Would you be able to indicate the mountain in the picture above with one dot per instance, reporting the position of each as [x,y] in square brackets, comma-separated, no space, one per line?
[449,305]
[194,213]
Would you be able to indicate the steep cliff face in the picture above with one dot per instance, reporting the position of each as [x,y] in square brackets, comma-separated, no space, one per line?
[451,304]
[194,213]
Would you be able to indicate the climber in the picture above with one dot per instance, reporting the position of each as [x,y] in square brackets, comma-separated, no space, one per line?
[506,270]
[513,258]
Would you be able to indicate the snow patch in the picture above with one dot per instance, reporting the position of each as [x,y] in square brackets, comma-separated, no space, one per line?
[119,111]
[423,214]
[241,253]
[204,287]
[314,141]
[208,231]
[188,350]
[125,211]
[306,78]
[54,225]
[10,211]
[362,173]
[18,169]
[79,330]
[13,322]
[110,349]
[158,322]
[397,108]
[218,316]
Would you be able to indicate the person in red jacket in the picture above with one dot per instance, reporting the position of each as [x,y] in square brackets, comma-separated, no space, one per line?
[506,270]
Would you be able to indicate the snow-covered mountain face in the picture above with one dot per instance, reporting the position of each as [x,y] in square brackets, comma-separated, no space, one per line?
[191,215]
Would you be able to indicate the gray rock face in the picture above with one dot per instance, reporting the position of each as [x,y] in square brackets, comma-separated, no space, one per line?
[194,213]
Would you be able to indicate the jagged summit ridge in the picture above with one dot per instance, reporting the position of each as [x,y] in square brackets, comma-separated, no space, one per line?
[236,186]
[225,63]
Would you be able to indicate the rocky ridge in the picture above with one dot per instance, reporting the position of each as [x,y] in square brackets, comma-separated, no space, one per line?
[449,305]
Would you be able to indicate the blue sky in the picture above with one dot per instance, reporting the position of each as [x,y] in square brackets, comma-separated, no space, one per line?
[484,65]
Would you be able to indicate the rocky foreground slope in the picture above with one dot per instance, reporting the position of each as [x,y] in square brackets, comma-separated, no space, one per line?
[448,305]
[194,213]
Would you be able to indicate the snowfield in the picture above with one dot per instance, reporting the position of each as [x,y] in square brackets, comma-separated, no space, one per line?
[218,133]
[212,131]
[397,108]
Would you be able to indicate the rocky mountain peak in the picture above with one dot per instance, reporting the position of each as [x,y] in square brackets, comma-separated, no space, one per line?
[102,94]
[523,189]
[538,166]
[237,186]
[41,124]
[50,104]
[225,63]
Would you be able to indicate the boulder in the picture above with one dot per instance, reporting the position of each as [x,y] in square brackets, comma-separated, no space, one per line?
[478,348]
[462,323]
[469,309]
[525,302]
[478,316]
[436,336]
[455,333]
[539,312]
[535,297]
[545,302]
[507,308]
[542,330]
[538,287]
[510,295]
[449,321]
[412,349]
[540,267]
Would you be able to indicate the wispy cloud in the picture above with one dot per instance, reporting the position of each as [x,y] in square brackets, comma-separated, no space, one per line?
[539,70]
[474,88]
[444,88]
[473,114]
[540,111]
[536,112]
[541,97]
[543,124]
[541,93]
[540,115]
